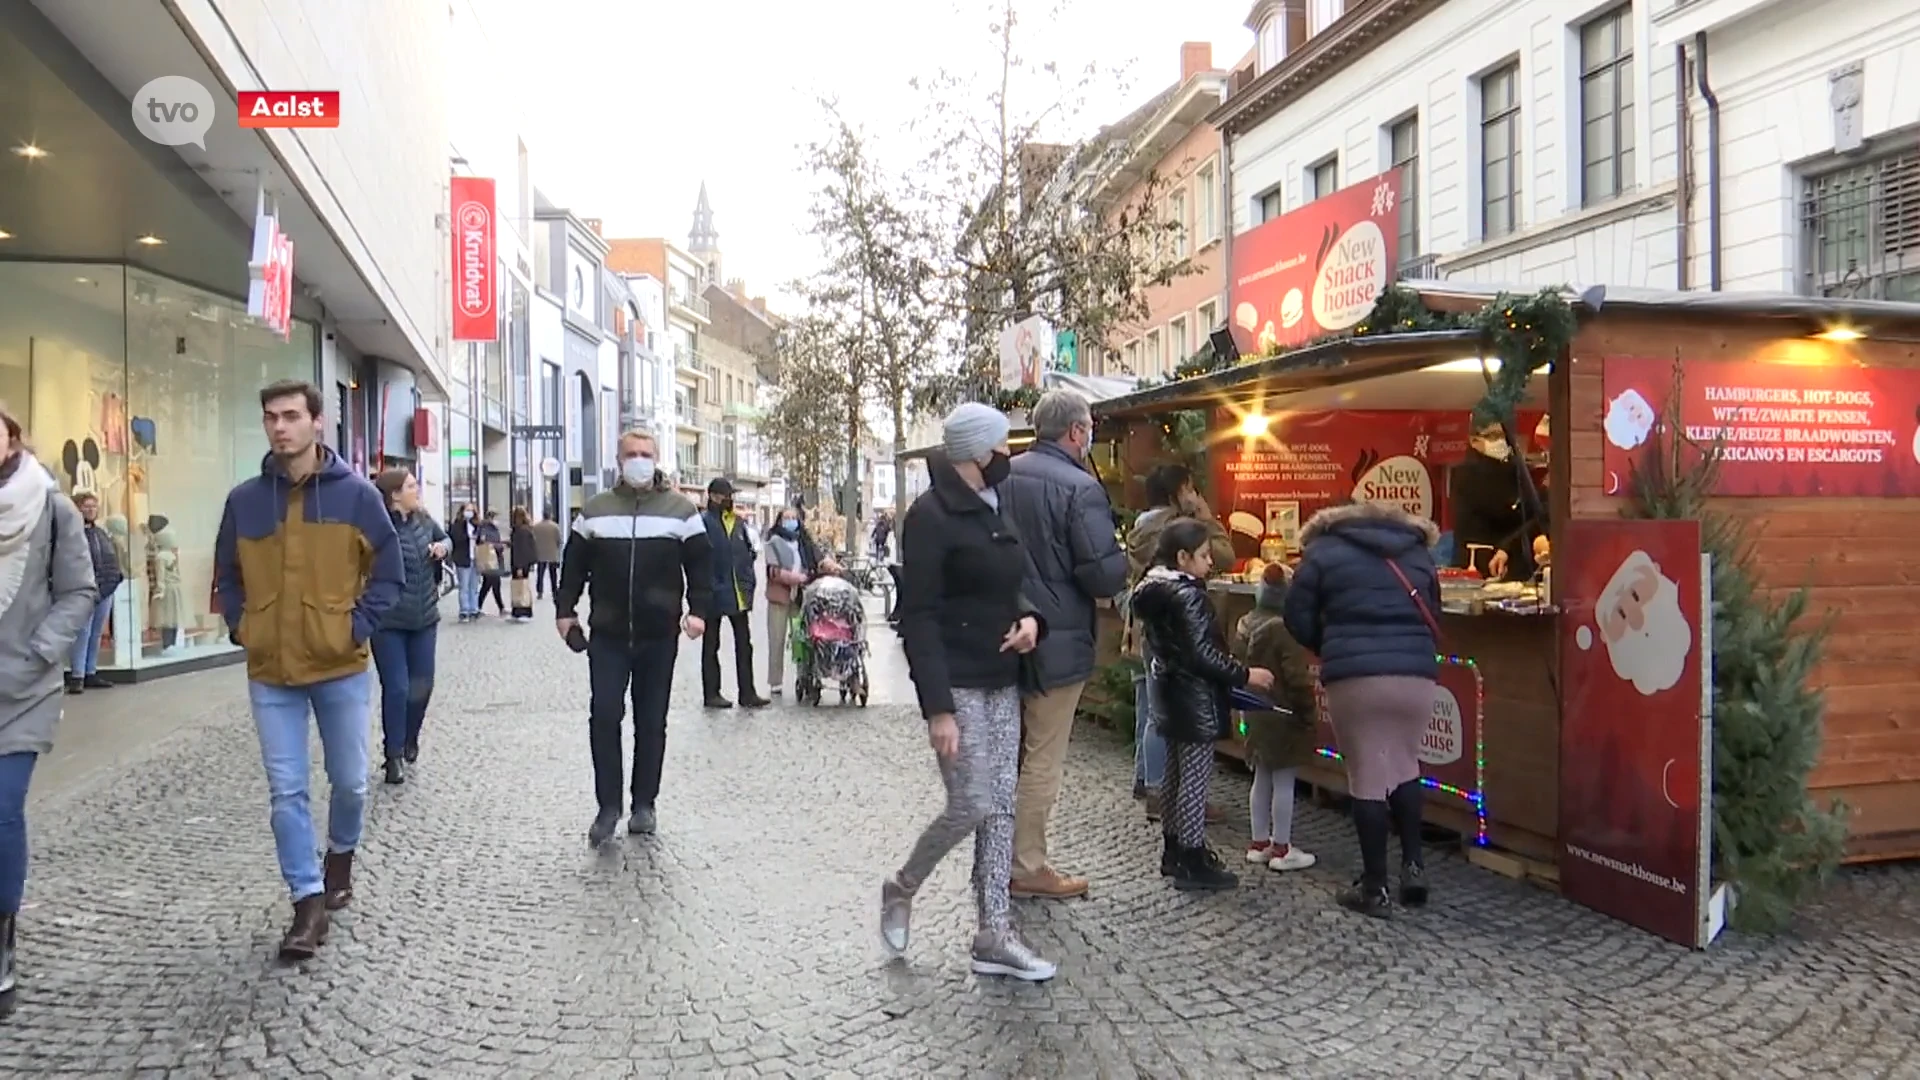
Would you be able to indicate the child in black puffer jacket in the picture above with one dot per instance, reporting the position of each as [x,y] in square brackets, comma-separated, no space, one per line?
[1191,675]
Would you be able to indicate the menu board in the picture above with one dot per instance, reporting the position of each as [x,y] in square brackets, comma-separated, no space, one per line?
[1784,429]
[1271,485]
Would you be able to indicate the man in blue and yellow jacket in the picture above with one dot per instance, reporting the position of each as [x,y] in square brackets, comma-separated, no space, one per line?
[306,563]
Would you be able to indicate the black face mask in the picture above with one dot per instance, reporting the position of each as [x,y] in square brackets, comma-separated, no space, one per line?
[997,469]
[723,505]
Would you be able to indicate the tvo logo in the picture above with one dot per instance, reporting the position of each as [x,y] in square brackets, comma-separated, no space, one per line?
[173,110]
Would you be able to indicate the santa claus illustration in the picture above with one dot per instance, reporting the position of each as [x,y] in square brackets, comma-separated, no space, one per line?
[1629,420]
[1639,618]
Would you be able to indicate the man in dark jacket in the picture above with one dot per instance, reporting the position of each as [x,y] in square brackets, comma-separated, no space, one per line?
[631,549]
[83,667]
[733,566]
[1066,527]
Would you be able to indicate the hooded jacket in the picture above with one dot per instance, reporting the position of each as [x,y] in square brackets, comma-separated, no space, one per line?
[1191,669]
[306,571]
[1278,740]
[1348,606]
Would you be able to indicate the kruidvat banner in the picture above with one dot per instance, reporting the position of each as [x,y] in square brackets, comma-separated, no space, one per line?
[476,312]
[1784,429]
[1317,269]
[1636,727]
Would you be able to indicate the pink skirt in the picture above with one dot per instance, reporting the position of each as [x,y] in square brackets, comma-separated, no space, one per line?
[1379,721]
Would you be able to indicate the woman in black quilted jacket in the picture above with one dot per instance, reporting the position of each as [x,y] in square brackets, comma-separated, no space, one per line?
[1191,674]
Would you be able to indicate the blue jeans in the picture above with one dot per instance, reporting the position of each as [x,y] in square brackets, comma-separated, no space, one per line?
[340,708]
[1149,749]
[404,659]
[468,579]
[85,658]
[15,772]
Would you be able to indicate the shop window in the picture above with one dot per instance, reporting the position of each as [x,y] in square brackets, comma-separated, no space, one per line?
[145,392]
[1500,151]
[1606,105]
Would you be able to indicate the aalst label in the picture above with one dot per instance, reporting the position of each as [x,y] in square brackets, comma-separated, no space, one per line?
[289,108]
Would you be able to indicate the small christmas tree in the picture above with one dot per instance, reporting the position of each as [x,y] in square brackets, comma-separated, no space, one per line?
[1770,839]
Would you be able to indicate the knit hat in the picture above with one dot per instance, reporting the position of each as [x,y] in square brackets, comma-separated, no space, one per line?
[973,429]
[1271,592]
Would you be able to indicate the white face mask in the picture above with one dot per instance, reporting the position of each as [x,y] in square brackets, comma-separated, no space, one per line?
[1497,449]
[637,471]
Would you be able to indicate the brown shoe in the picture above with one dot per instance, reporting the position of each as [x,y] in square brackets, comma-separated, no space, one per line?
[1215,815]
[339,871]
[1048,884]
[309,929]
[1152,804]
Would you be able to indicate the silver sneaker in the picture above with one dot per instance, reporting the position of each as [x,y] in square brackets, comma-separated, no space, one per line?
[1001,952]
[896,915]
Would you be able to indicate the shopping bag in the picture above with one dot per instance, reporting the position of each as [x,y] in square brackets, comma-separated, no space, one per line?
[797,639]
[520,593]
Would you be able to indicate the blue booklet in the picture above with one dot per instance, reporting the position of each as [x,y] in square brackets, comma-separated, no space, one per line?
[1247,701]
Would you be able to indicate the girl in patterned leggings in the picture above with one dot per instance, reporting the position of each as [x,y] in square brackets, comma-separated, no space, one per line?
[1191,675]
[965,626]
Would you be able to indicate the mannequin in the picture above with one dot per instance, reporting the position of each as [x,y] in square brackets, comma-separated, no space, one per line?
[166,605]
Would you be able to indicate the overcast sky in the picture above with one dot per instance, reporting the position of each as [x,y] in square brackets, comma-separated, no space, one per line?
[635,102]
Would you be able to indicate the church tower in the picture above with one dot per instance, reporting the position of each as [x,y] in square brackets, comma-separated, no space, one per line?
[703,240]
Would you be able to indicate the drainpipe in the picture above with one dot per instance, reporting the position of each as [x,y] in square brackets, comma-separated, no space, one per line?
[1226,227]
[1683,171]
[1713,160]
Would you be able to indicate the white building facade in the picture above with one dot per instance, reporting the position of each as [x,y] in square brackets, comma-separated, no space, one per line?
[1549,142]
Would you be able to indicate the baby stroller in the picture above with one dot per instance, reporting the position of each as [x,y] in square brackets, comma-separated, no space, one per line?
[830,643]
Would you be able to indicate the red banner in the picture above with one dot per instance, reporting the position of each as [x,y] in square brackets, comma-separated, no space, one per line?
[1636,723]
[475,291]
[1450,749]
[1317,269]
[1787,429]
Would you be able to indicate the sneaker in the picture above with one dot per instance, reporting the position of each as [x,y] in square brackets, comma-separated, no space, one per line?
[602,828]
[1259,851]
[75,686]
[896,915]
[95,682]
[1369,900]
[1413,885]
[643,822]
[1288,857]
[1001,952]
[1201,870]
[777,691]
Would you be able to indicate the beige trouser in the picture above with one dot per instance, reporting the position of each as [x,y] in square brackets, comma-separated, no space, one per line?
[1046,720]
[777,645]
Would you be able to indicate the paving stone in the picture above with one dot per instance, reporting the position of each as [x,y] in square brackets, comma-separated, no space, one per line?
[486,940]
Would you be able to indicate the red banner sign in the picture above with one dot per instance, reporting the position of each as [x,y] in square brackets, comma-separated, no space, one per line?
[1636,733]
[1450,750]
[475,292]
[1785,429]
[1268,486]
[270,292]
[1317,269]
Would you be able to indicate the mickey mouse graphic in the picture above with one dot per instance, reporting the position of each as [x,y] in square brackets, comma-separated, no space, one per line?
[81,461]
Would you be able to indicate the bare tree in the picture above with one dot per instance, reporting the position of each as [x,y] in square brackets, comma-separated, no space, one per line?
[803,427]
[1023,233]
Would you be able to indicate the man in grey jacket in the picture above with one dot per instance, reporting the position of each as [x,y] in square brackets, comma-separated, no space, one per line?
[1065,522]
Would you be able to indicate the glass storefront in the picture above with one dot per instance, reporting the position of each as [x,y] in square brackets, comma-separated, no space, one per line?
[144,391]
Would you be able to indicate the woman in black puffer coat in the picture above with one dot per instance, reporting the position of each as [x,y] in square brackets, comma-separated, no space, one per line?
[404,645]
[1365,600]
[1191,674]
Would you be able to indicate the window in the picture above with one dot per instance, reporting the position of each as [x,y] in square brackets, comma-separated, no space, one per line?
[1322,14]
[1177,216]
[1323,179]
[1178,341]
[1156,358]
[1266,206]
[1209,317]
[1132,360]
[1403,150]
[1500,151]
[1273,40]
[1606,105]
[1860,230]
[1207,186]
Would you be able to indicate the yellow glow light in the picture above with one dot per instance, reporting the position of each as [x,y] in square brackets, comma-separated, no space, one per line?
[30,151]
[1470,364]
[1841,334]
[5,235]
[150,240]
[1253,425]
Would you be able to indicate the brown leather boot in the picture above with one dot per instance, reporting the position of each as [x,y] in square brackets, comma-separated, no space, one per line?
[309,929]
[339,878]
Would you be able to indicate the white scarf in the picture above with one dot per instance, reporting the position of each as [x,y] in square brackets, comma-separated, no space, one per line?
[23,499]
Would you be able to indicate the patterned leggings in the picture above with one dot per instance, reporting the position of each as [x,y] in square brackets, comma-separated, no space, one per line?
[1183,794]
[980,781]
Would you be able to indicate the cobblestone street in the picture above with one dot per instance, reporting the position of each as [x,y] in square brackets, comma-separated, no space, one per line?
[486,939]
